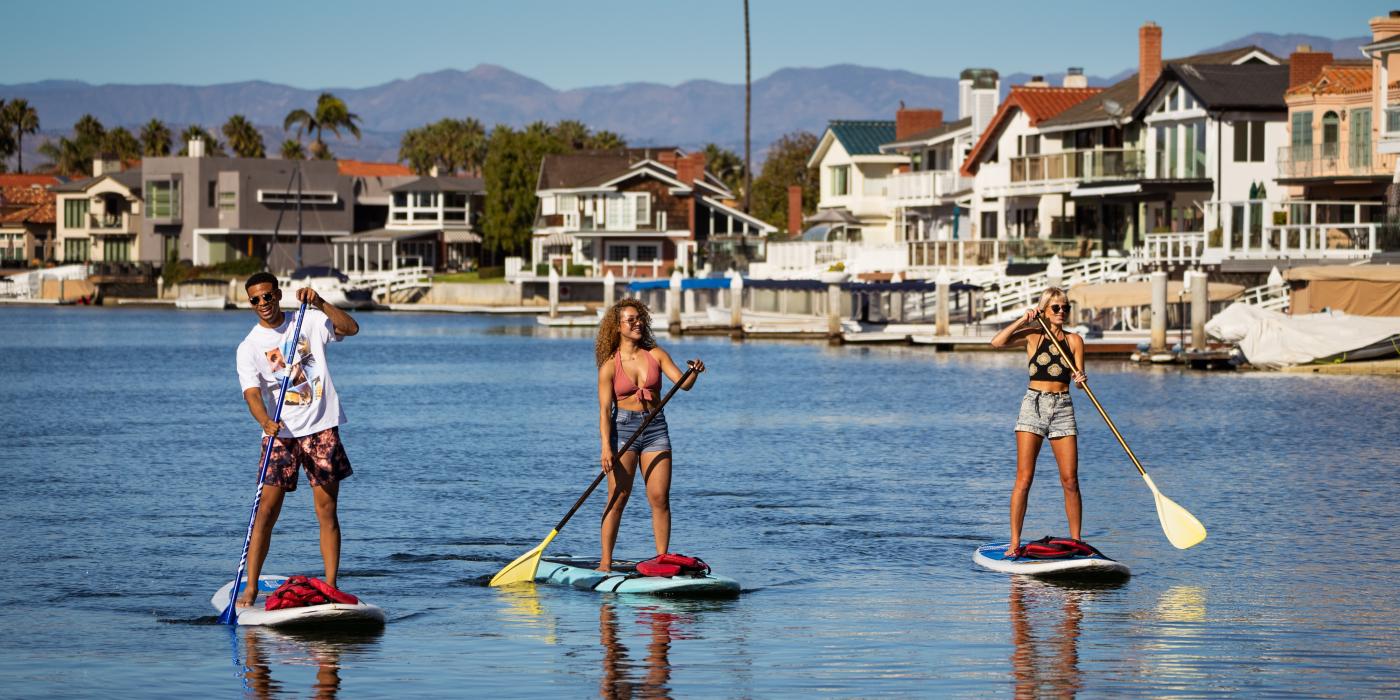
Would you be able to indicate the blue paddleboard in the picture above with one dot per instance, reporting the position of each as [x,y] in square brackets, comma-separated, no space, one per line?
[993,556]
[624,578]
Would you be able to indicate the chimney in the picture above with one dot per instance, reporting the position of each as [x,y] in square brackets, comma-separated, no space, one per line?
[1385,27]
[106,164]
[1149,56]
[979,91]
[1037,81]
[794,210]
[691,167]
[196,147]
[1074,78]
[912,121]
[667,158]
[1304,65]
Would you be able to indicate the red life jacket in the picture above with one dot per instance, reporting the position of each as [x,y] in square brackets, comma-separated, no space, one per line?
[669,564]
[1055,548]
[301,591]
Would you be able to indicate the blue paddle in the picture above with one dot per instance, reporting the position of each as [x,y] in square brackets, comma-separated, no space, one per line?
[230,616]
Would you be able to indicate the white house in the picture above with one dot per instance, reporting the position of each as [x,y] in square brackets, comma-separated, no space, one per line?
[855,178]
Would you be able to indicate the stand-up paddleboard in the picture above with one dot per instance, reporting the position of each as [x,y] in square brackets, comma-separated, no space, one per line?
[361,613]
[583,574]
[1092,566]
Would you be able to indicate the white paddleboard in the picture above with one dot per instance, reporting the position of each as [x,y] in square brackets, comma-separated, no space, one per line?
[581,574]
[993,556]
[361,613]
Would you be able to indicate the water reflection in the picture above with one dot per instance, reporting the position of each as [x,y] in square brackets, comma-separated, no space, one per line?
[651,677]
[1045,619]
[525,608]
[263,649]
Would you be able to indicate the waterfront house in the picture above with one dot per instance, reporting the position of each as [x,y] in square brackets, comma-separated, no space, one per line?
[215,210]
[930,197]
[430,221]
[854,202]
[1102,161]
[26,225]
[638,212]
[1384,52]
[99,219]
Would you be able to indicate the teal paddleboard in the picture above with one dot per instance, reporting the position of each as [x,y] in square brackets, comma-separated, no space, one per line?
[583,575]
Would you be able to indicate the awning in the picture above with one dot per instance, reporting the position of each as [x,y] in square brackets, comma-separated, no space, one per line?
[1109,295]
[832,216]
[1370,273]
[1092,191]
[386,235]
[461,237]
[558,238]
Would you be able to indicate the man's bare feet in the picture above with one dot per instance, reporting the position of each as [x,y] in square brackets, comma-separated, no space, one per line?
[246,600]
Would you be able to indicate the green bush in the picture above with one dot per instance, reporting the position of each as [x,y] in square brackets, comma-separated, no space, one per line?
[578,270]
[541,270]
[487,273]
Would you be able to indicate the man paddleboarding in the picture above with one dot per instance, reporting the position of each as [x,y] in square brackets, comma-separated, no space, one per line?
[1046,409]
[630,365]
[308,437]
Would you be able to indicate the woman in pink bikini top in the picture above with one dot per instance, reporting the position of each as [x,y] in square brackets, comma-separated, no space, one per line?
[630,365]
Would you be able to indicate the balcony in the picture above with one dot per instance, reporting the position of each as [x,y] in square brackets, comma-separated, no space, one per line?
[1327,160]
[1079,166]
[926,188]
[107,223]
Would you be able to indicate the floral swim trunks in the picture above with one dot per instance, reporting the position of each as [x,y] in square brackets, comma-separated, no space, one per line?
[320,454]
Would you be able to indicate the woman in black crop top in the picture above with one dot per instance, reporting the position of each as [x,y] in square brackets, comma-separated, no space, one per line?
[1046,409]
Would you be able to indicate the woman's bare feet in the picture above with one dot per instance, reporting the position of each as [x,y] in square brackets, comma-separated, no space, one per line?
[1012,550]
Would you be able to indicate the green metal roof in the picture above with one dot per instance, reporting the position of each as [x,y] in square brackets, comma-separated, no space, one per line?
[862,137]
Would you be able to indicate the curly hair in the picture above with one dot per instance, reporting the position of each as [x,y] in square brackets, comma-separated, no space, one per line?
[609,330]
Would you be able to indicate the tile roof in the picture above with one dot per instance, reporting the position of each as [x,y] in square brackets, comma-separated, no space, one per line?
[26,204]
[1039,104]
[1125,91]
[1250,87]
[361,168]
[27,179]
[1337,79]
[935,132]
[862,137]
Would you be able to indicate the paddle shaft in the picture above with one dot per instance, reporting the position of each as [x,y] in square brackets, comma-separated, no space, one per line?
[229,615]
[1090,393]
[617,459]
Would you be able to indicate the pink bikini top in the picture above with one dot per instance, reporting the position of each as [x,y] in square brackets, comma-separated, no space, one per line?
[623,387]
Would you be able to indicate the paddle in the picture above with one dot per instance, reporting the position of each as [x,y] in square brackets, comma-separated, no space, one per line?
[1183,529]
[522,570]
[230,616]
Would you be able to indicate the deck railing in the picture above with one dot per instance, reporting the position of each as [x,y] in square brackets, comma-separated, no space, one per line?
[926,186]
[1084,165]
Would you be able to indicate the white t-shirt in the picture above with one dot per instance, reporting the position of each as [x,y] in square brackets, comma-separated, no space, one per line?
[312,404]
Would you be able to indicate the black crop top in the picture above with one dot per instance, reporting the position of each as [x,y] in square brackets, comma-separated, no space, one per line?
[1046,365]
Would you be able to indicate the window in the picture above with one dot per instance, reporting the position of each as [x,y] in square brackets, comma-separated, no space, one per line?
[211,197]
[400,199]
[116,250]
[1301,128]
[1331,134]
[1249,142]
[1160,150]
[1360,138]
[568,203]
[228,201]
[647,253]
[75,250]
[1031,145]
[1196,150]
[840,180]
[456,200]
[642,206]
[618,253]
[163,196]
[308,198]
[75,213]
[1172,150]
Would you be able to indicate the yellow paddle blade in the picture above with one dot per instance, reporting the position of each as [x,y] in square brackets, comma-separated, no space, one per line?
[522,570]
[1183,529]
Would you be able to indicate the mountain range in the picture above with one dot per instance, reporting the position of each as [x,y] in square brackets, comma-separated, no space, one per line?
[689,114]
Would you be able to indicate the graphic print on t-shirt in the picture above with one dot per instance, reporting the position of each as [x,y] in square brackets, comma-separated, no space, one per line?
[305,385]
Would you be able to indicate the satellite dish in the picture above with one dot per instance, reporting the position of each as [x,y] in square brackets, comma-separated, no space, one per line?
[1113,109]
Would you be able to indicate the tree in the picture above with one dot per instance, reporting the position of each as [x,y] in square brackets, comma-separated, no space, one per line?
[212,146]
[292,150]
[244,138]
[121,144]
[452,145]
[727,166]
[74,156]
[331,115]
[606,141]
[786,165]
[511,171]
[7,139]
[155,139]
[18,118]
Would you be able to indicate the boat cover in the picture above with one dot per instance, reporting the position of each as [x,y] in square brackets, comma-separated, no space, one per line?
[1270,339]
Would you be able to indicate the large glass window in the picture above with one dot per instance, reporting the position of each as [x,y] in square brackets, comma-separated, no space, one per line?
[1360,138]
[75,250]
[163,198]
[1172,150]
[840,180]
[116,250]
[75,213]
[1160,151]
[1196,150]
[1301,132]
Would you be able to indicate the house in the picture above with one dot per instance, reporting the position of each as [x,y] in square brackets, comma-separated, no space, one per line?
[99,219]
[1104,162]
[217,210]
[26,224]
[854,203]
[639,212]
[930,198]
[1384,52]
[1012,197]
[431,221]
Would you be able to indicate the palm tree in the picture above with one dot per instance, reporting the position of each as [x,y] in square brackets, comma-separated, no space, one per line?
[212,147]
[155,139]
[65,157]
[292,150]
[331,115]
[121,143]
[19,118]
[243,137]
[748,109]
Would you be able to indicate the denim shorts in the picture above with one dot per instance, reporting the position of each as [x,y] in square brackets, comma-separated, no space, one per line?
[654,439]
[1047,414]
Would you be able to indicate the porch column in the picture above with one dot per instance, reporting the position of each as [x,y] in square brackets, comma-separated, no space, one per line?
[553,292]
[394,255]
[379,255]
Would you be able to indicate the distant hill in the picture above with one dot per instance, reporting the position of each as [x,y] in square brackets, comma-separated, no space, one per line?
[1283,44]
[690,114]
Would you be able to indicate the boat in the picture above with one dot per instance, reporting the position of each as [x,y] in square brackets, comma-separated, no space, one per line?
[331,284]
[202,303]
[583,575]
[313,616]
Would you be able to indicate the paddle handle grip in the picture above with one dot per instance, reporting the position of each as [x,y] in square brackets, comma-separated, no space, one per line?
[1090,393]
[617,460]
[230,615]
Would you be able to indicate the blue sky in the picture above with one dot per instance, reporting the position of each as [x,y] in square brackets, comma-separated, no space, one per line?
[567,44]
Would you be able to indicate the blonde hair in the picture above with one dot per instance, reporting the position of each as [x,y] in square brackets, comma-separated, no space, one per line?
[609,330]
[1049,295]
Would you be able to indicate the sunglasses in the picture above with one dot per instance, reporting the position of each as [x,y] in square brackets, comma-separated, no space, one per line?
[1059,308]
[266,298]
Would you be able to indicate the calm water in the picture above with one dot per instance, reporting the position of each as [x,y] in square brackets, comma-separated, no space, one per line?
[846,489]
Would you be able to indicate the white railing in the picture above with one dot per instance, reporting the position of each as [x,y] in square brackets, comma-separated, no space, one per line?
[1344,241]
[926,186]
[1173,248]
[1013,295]
[1273,297]
[804,259]
[386,282]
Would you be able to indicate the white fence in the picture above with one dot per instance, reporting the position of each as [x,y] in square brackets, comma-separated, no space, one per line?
[803,259]
[924,187]
[1306,241]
